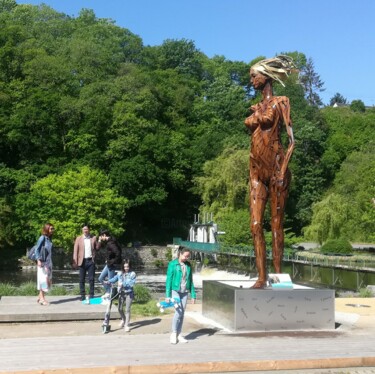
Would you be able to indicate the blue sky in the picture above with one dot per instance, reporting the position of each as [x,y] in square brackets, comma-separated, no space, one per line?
[339,35]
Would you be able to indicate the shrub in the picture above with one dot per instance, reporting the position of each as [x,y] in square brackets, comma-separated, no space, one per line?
[206,261]
[159,263]
[336,246]
[365,292]
[141,294]
[168,254]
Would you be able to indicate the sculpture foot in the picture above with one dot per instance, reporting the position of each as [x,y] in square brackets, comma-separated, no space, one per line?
[259,284]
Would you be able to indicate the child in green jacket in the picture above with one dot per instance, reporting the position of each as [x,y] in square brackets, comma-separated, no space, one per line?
[178,285]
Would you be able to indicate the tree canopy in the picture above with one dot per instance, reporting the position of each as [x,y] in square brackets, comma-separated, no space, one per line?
[97,127]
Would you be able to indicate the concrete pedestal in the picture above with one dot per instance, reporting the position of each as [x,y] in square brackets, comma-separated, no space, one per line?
[237,307]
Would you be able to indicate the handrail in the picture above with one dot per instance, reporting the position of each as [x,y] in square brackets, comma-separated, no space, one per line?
[217,248]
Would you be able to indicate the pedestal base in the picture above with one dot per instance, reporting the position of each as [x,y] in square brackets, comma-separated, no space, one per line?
[237,307]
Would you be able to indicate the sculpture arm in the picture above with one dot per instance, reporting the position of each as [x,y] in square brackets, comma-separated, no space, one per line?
[284,107]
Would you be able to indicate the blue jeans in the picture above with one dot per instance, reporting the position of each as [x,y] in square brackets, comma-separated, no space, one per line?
[125,299]
[178,318]
[108,272]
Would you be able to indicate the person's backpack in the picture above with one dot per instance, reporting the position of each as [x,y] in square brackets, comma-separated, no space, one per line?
[31,253]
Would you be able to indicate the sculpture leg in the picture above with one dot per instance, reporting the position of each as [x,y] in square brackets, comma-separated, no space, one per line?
[258,199]
[278,197]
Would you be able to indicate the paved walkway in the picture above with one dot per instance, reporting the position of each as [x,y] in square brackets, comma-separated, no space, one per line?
[73,342]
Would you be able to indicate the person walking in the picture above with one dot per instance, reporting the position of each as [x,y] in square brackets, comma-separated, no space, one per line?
[85,247]
[178,285]
[126,280]
[44,263]
[113,259]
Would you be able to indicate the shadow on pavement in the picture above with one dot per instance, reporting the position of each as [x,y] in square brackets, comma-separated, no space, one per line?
[205,331]
[76,298]
[139,324]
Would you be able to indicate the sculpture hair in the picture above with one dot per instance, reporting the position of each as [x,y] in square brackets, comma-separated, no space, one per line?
[277,68]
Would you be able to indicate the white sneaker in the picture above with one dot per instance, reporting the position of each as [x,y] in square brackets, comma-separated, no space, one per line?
[127,328]
[122,323]
[182,340]
[173,338]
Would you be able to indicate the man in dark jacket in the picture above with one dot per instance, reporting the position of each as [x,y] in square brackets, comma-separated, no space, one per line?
[113,259]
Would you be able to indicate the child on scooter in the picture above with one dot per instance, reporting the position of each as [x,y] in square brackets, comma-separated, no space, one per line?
[126,280]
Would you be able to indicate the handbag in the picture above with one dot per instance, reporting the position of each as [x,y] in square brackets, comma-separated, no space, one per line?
[31,253]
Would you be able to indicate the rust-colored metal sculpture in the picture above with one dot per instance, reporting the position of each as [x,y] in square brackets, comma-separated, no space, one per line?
[269,173]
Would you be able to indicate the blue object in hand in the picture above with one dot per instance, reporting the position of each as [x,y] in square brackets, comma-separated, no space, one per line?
[168,303]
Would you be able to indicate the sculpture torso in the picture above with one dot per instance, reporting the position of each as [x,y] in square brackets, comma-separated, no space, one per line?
[267,153]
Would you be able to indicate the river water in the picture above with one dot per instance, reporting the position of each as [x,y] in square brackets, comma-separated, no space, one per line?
[154,279]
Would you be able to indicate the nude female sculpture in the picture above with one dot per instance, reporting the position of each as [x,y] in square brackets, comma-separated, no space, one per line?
[269,173]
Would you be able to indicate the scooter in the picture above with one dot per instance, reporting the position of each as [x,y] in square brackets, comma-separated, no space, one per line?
[106,327]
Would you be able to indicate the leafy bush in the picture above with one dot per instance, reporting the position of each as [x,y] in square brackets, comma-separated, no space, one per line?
[337,246]
[365,292]
[142,294]
[168,254]
[206,261]
[159,263]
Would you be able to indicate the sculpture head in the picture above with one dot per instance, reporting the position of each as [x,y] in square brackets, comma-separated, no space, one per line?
[277,68]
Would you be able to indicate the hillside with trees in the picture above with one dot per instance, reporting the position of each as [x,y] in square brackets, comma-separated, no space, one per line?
[96,126]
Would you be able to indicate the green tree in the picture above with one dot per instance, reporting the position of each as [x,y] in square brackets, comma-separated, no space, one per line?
[329,219]
[347,132]
[312,83]
[236,225]
[7,5]
[355,182]
[181,55]
[358,106]
[348,210]
[68,200]
[224,184]
[337,98]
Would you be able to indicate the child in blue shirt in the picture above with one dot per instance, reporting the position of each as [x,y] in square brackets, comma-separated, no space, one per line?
[126,281]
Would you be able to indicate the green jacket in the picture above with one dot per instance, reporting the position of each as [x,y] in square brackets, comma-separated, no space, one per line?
[174,276]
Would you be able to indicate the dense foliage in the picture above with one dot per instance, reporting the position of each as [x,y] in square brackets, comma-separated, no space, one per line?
[337,246]
[97,127]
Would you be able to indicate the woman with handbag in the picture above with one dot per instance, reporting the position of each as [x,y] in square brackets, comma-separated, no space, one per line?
[44,262]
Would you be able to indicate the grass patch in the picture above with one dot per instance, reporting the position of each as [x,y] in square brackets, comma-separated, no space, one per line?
[58,291]
[27,289]
[148,309]
[6,289]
